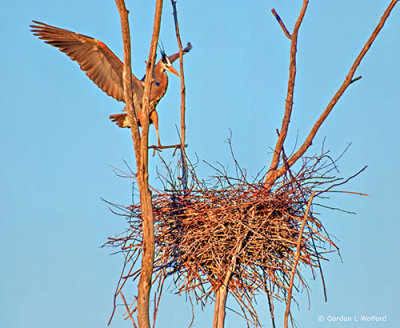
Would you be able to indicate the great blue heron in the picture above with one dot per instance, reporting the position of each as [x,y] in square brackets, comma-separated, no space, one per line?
[104,68]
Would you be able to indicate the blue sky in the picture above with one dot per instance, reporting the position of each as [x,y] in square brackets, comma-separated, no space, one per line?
[58,147]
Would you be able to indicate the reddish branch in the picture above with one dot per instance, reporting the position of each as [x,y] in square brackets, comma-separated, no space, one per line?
[141,152]
[127,73]
[183,96]
[143,181]
[290,91]
[182,75]
[278,18]
[296,260]
[127,309]
[275,173]
[221,294]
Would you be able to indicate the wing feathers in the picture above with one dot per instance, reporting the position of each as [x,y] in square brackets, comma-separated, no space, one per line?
[101,65]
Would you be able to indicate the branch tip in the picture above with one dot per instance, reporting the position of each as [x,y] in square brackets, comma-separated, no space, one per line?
[356,79]
[278,18]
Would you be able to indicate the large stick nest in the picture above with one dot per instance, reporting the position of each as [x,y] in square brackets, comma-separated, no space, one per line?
[234,232]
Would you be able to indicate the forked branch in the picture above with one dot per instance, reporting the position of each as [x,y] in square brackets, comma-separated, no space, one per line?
[141,152]
[275,173]
[290,90]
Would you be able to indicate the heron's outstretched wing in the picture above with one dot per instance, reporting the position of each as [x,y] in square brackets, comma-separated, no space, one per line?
[101,65]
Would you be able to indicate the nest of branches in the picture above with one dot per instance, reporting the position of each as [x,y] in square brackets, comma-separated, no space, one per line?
[229,231]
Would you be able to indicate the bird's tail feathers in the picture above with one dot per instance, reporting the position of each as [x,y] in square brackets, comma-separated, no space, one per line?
[121,120]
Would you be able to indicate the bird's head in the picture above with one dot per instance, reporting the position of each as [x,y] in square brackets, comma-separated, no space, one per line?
[166,63]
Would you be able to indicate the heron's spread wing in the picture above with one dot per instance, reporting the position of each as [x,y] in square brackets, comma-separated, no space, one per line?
[101,65]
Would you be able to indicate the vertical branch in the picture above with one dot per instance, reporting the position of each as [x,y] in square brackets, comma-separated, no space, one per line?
[141,152]
[158,294]
[221,295]
[183,97]
[289,98]
[127,77]
[216,307]
[146,272]
[271,307]
[149,75]
[272,176]
[296,261]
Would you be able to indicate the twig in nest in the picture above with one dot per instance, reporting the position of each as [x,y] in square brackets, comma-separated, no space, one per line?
[296,260]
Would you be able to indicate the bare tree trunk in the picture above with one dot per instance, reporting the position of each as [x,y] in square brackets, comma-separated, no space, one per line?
[221,296]
[141,152]
[143,181]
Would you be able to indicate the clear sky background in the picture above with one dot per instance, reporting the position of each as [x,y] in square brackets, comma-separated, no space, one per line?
[58,147]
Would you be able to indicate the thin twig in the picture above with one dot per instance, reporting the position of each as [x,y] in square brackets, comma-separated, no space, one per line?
[271,308]
[296,261]
[284,29]
[183,97]
[127,309]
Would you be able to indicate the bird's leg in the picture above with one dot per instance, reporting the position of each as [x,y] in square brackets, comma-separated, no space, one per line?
[154,119]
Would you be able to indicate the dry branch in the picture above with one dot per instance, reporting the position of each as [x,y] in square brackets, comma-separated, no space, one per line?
[275,173]
[290,91]
[284,29]
[141,152]
[296,261]
[183,93]
[127,309]
[127,73]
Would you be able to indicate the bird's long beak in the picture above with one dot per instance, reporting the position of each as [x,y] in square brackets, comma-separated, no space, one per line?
[173,70]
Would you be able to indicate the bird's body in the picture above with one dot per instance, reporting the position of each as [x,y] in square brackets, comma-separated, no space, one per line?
[158,88]
[104,68]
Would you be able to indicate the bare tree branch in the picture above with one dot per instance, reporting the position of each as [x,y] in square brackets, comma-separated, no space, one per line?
[141,152]
[278,18]
[127,74]
[289,98]
[221,295]
[143,181]
[296,260]
[183,96]
[127,309]
[275,174]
